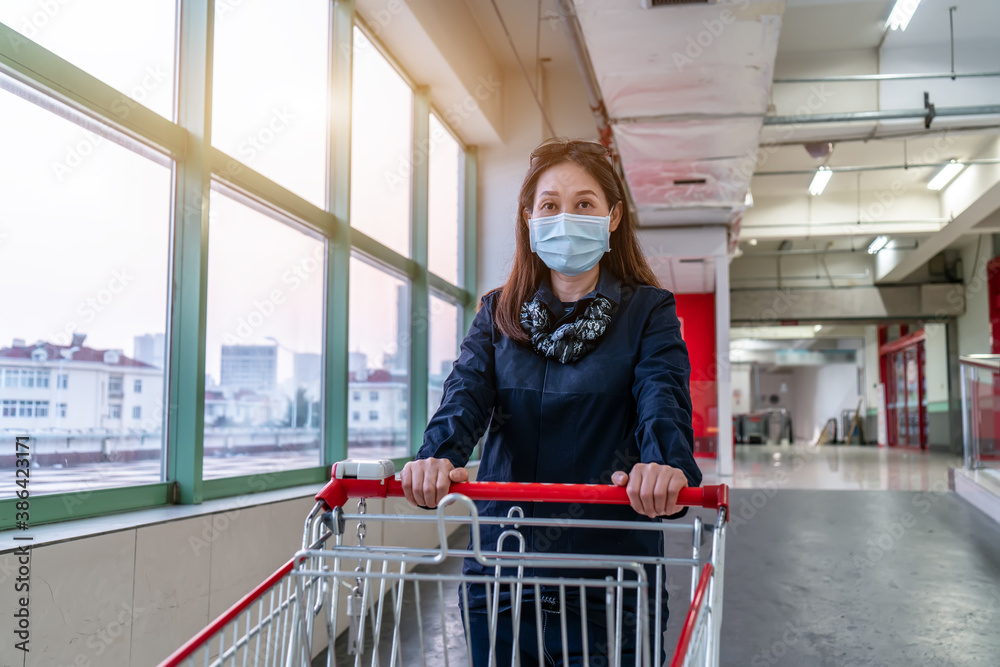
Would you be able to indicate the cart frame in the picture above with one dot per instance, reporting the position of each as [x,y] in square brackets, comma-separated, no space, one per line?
[275,622]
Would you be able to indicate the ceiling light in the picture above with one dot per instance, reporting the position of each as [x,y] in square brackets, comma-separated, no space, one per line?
[946,175]
[753,241]
[901,14]
[816,329]
[877,244]
[819,181]
[748,200]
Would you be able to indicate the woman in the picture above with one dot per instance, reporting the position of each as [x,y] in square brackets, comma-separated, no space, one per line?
[576,370]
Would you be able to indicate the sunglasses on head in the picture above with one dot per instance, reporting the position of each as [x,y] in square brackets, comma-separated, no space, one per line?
[558,148]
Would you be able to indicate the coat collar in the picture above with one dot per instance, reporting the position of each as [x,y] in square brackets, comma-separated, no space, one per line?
[608,286]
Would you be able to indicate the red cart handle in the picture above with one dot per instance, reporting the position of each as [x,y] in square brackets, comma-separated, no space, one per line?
[337,491]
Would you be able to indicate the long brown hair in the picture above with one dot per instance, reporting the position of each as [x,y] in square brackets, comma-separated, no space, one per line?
[625,259]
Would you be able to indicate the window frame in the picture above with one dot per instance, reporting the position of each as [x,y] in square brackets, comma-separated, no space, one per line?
[56,85]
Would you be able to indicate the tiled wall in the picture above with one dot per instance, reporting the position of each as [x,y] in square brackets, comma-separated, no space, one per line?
[131,597]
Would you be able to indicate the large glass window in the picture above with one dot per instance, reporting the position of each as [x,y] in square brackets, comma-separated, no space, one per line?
[263,343]
[444,219]
[379,365]
[128,46]
[443,338]
[83,271]
[381,138]
[270,92]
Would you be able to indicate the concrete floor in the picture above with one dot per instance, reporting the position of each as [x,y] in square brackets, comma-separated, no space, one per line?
[847,556]
[861,578]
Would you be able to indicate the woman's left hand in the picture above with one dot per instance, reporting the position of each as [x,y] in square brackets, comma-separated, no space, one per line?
[652,488]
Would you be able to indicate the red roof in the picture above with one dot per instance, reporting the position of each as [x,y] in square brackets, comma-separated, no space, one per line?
[82,354]
[375,375]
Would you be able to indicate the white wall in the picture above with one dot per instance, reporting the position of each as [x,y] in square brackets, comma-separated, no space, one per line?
[133,596]
[936,362]
[821,393]
[779,383]
[742,389]
[973,326]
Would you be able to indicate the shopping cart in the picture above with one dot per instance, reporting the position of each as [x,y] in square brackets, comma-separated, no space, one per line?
[399,606]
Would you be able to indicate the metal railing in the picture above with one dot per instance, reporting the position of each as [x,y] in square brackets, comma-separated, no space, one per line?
[980,384]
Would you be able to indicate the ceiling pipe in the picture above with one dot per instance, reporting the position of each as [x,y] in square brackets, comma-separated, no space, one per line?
[816,227]
[897,114]
[887,77]
[780,280]
[880,167]
[888,136]
[817,251]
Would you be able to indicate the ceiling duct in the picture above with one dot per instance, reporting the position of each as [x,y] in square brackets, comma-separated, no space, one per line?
[685,92]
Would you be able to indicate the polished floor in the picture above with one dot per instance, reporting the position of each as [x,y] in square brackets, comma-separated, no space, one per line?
[835,467]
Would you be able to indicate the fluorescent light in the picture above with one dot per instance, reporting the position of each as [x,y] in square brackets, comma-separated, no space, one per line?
[817,328]
[901,14]
[748,201]
[876,245]
[946,175]
[819,181]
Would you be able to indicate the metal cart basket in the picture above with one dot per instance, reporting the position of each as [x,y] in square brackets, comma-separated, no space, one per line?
[375,604]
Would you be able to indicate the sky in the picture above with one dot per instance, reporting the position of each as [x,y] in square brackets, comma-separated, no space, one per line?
[84,222]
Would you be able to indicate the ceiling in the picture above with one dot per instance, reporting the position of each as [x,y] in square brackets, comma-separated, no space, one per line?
[688,117]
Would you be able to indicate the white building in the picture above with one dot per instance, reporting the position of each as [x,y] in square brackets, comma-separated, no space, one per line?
[76,401]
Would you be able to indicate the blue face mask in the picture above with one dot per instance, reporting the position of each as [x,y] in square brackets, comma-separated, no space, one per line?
[568,243]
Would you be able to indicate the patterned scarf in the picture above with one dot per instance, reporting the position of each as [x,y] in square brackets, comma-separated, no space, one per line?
[572,340]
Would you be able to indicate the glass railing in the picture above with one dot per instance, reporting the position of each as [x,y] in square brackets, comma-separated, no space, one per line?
[981,409]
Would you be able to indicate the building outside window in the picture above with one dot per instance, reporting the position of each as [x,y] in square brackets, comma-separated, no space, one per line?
[356,416]
[42,379]
[61,409]
[137,412]
[115,386]
[25,408]
[115,411]
[10,377]
[373,395]
[356,395]
[41,408]
[137,387]
[27,378]
[373,415]
[63,381]
[9,408]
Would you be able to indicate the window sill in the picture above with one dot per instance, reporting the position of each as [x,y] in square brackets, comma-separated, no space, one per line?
[66,531]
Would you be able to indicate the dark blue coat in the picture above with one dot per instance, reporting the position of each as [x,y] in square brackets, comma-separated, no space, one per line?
[625,402]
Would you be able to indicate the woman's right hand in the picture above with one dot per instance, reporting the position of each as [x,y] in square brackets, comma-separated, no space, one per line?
[427,481]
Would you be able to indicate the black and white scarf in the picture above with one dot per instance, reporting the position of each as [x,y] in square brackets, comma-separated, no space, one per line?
[572,340]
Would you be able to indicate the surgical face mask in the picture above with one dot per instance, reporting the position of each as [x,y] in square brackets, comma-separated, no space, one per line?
[568,243]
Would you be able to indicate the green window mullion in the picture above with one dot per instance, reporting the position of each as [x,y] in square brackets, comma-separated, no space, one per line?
[186,383]
[81,504]
[338,261]
[419,299]
[43,70]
